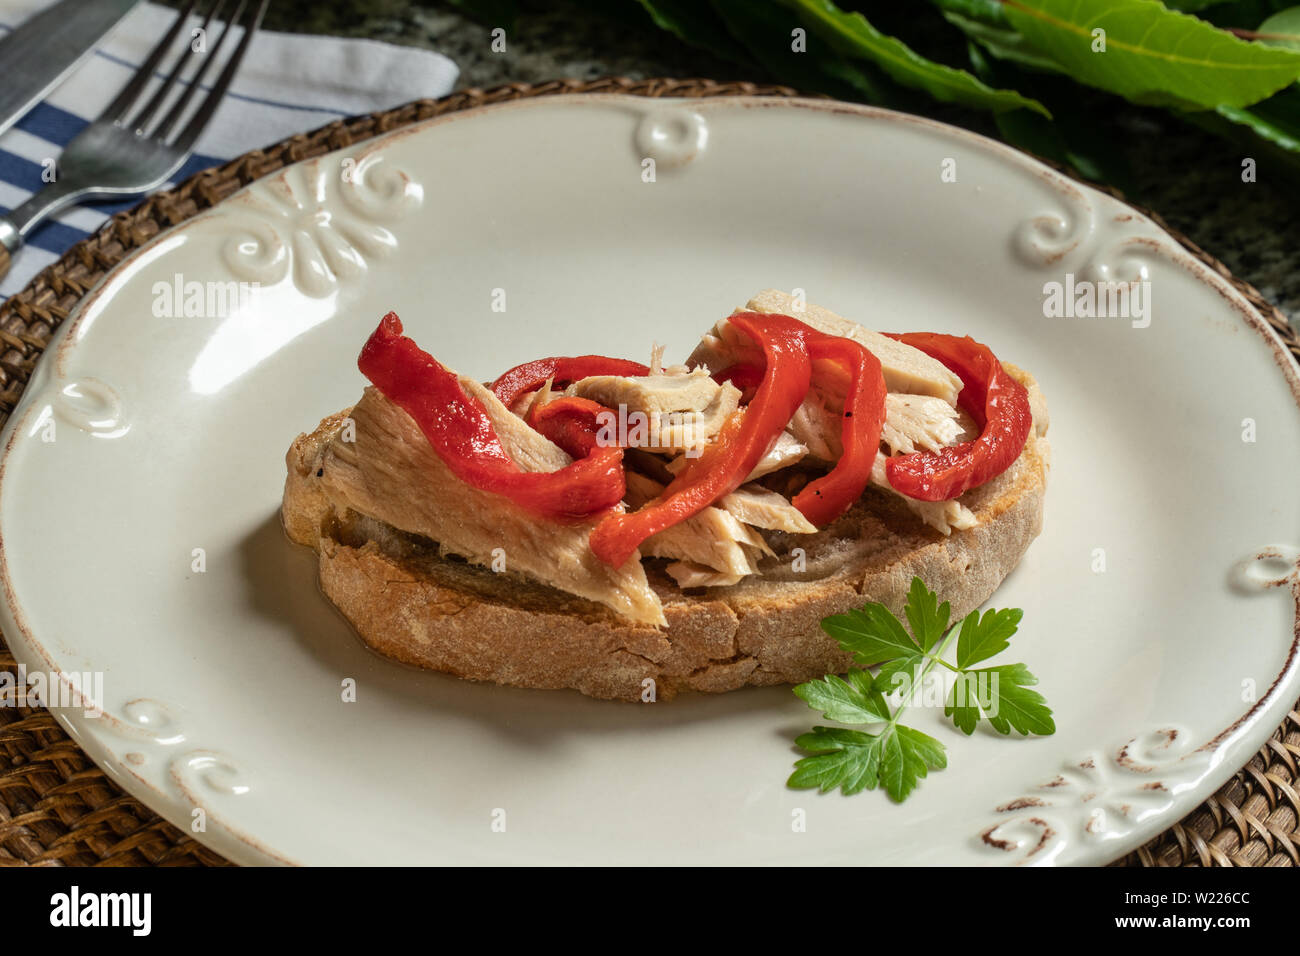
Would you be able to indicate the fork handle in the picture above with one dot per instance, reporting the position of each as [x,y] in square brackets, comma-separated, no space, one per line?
[15,226]
[10,240]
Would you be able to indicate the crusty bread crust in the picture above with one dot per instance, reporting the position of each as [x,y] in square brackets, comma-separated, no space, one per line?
[409,603]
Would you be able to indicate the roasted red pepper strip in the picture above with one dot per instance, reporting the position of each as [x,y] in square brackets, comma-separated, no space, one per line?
[732,454]
[744,376]
[824,500]
[462,435]
[559,371]
[993,398]
[572,423]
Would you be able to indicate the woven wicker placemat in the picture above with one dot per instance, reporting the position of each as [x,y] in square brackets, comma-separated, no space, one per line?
[58,808]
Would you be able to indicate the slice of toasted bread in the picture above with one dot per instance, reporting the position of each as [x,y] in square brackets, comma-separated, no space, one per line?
[411,604]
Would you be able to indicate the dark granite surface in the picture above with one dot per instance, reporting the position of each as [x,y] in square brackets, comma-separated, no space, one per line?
[1191,178]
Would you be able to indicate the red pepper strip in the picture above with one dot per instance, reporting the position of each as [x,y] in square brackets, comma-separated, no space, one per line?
[745,376]
[560,371]
[825,499]
[462,435]
[993,398]
[830,496]
[729,458]
[572,423]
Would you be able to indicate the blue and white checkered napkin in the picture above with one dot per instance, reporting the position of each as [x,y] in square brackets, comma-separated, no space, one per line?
[288,84]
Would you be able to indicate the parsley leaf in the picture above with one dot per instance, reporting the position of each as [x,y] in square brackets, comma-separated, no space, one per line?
[872,634]
[897,757]
[984,637]
[1017,706]
[889,678]
[962,703]
[918,753]
[848,759]
[929,618]
[1002,696]
[849,700]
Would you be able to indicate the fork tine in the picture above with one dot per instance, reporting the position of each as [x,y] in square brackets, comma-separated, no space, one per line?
[141,119]
[178,108]
[185,141]
[116,110]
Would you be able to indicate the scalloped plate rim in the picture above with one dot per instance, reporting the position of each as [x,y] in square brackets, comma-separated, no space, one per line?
[1243,737]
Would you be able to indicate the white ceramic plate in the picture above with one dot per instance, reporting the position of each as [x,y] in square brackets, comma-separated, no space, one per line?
[222,688]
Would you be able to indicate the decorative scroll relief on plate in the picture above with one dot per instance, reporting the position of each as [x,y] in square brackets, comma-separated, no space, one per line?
[85,403]
[92,406]
[151,720]
[1044,240]
[157,734]
[1098,798]
[1125,261]
[209,770]
[672,137]
[324,220]
[1271,567]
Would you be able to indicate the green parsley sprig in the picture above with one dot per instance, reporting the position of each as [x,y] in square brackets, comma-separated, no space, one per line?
[894,755]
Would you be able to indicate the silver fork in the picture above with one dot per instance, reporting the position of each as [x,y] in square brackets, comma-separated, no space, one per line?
[117,156]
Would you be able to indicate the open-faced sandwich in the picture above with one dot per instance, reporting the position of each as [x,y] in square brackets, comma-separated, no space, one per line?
[631,531]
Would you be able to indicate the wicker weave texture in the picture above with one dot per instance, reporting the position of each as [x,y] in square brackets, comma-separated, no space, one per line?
[58,808]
